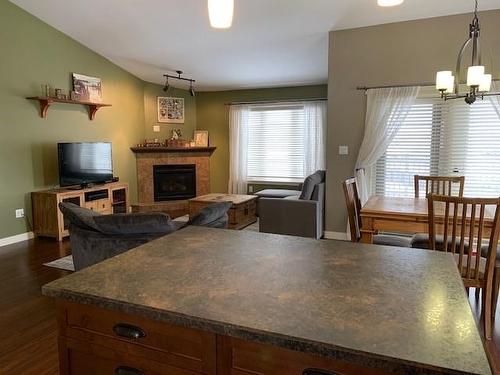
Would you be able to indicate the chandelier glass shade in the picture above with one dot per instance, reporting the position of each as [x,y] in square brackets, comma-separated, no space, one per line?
[478,81]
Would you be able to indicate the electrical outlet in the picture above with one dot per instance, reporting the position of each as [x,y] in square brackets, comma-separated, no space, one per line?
[19,213]
[343,150]
[250,189]
[156,128]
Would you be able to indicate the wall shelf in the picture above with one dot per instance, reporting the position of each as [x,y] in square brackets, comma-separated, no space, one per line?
[46,102]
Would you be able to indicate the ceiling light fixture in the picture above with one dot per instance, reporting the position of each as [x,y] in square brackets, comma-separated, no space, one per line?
[191,89]
[390,3]
[478,82]
[178,76]
[220,13]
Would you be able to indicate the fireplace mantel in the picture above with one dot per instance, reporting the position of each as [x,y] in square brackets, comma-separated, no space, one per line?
[173,150]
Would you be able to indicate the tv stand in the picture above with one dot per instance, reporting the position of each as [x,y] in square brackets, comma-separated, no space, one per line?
[48,220]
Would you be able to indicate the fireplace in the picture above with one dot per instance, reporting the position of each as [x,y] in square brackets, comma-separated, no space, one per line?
[174,182]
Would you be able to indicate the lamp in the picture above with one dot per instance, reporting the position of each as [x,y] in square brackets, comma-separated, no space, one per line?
[220,13]
[178,77]
[389,3]
[478,82]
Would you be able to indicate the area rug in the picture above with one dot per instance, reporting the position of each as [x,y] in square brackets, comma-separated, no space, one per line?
[66,263]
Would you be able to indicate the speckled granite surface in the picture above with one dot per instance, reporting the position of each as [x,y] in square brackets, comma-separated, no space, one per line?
[399,309]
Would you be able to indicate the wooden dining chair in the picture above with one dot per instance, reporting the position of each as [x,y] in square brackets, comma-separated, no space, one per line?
[440,185]
[353,205]
[463,221]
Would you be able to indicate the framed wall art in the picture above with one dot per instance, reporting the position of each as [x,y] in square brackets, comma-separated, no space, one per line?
[87,88]
[171,110]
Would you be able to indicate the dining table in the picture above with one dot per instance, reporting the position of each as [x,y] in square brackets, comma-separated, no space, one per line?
[405,215]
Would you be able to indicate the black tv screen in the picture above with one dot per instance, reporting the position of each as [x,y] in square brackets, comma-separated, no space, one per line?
[84,163]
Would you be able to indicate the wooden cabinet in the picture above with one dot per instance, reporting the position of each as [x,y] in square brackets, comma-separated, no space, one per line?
[99,341]
[48,220]
[94,341]
[242,213]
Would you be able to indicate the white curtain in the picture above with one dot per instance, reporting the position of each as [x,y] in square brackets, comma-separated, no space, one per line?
[238,146]
[495,100]
[385,112]
[314,136]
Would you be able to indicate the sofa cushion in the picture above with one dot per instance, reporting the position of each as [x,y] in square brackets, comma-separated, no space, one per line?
[211,215]
[76,215]
[138,223]
[277,193]
[310,183]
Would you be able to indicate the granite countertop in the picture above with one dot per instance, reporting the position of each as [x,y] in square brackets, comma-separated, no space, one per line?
[401,309]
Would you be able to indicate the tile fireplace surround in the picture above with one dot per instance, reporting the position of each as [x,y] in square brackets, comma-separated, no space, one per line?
[146,158]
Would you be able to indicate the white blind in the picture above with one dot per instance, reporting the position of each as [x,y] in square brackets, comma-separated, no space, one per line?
[276,143]
[443,138]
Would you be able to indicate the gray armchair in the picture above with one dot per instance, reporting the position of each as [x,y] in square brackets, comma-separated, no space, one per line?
[299,213]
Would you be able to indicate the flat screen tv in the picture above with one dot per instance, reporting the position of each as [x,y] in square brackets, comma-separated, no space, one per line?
[84,163]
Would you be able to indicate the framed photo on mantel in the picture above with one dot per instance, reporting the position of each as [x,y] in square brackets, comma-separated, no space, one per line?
[201,138]
[171,110]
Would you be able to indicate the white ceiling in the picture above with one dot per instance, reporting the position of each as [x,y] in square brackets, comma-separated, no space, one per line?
[271,43]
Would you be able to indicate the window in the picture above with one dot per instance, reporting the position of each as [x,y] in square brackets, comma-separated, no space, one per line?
[281,139]
[275,143]
[443,138]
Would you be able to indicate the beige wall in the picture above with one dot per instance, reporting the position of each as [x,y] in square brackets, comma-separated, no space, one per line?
[399,53]
[151,92]
[213,115]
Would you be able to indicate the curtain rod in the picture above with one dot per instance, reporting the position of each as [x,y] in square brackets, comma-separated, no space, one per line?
[364,88]
[278,101]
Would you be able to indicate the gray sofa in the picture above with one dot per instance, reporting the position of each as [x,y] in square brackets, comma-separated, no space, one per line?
[296,213]
[95,237]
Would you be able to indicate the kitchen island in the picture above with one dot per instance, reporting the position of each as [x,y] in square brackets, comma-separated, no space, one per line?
[209,301]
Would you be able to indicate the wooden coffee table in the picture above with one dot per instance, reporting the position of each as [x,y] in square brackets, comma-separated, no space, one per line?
[242,213]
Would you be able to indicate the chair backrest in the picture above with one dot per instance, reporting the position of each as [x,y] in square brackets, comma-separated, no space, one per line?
[353,204]
[462,222]
[440,185]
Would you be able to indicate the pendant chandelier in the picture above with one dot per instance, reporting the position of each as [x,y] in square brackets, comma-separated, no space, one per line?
[478,82]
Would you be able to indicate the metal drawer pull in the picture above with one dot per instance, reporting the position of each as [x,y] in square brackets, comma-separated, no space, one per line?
[124,370]
[128,331]
[314,371]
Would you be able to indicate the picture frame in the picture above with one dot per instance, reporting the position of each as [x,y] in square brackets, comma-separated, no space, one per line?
[171,110]
[87,88]
[201,138]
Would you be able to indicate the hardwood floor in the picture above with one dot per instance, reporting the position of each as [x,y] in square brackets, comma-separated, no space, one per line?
[27,319]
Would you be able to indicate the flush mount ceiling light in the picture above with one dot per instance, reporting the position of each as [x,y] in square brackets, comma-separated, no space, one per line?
[478,82]
[389,3]
[178,76]
[220,13]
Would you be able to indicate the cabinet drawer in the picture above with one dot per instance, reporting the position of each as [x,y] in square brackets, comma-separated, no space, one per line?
[102,205]
[241,357]
[87,359]
[181,347]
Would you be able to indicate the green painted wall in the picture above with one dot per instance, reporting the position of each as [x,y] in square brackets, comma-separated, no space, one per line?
[34,53]
[151,92]
[213,115]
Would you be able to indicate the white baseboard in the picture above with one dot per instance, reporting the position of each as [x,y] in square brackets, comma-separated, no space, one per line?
[342,236]
[17,238]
